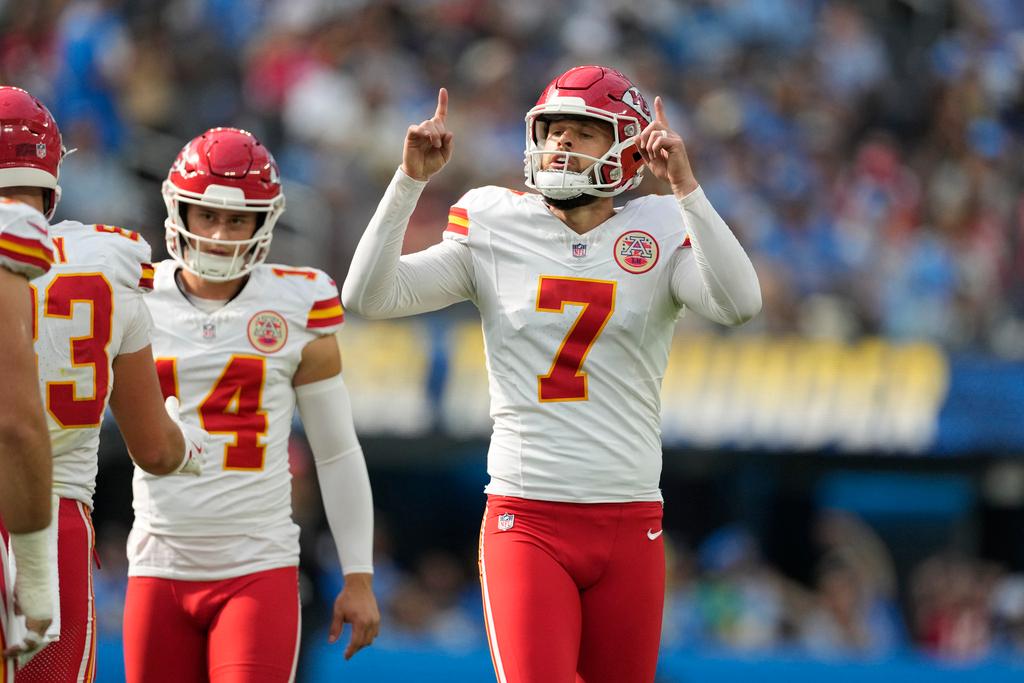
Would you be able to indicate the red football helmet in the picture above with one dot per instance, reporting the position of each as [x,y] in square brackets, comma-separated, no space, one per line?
[596,92]
[224,168]
[30,145]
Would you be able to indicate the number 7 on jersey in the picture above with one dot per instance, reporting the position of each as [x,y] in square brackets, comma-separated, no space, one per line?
[566,381]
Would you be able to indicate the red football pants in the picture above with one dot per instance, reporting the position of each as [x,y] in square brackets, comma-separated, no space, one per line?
[572,591]
[238,630]
[72,658]
[6,665]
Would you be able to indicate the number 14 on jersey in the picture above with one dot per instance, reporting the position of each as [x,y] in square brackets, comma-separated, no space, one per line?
[232,406]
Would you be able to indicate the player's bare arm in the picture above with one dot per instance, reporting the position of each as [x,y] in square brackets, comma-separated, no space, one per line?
[154,439]
[25,460]
[344,485]
[428,145]
[321,359]
[664,153]
[24,441]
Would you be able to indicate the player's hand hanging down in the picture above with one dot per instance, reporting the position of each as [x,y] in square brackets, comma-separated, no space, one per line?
[663,151]
[428,146]
[357,606]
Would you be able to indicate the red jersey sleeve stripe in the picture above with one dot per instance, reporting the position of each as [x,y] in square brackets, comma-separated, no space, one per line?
[29,242]
[325,313]
[686,242]
[326,303]
[314,323]
[35,261]
[146,281]
[27,247]
[458,221]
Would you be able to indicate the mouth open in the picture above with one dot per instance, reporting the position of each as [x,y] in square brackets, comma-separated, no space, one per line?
[560,163]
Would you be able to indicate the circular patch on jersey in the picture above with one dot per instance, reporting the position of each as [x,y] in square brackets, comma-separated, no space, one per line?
[636,251]
[268,331]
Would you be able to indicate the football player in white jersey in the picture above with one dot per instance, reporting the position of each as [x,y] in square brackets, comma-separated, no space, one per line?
[213,563]
[25,463]
[579,300]
[92,340]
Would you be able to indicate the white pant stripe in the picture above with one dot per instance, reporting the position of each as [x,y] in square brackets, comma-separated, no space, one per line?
[492,637]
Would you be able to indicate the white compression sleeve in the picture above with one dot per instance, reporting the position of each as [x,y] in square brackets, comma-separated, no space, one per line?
[344,483]
[723,286]
[382,283]
[32,581]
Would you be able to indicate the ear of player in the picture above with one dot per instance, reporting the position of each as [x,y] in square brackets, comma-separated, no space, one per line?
[195,440]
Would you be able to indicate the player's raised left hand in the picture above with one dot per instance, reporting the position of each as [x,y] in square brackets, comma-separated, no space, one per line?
[356,605]
[664,153]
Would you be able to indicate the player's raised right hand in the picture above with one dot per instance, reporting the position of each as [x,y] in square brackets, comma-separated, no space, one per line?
[428,145]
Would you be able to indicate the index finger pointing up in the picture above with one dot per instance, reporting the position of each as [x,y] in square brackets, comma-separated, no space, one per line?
[442,105]
[659,111]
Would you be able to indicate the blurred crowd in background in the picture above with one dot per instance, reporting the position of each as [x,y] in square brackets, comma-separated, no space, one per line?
[868,155]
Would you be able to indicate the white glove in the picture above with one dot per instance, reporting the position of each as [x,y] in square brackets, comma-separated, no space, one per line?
[195,440]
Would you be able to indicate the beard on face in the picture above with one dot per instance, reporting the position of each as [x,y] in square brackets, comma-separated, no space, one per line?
[573,203]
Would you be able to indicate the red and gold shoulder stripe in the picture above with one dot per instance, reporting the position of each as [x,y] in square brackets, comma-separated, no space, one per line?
[458,221]
[26,250]
[686,241]
[326,313]
[146,280]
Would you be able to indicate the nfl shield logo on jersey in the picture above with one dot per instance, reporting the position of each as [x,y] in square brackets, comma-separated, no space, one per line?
[505,521]
[209,330]
[579,250]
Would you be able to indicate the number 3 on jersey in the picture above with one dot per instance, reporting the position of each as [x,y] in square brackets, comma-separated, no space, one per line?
[62,399]
[566,380]
[233,406]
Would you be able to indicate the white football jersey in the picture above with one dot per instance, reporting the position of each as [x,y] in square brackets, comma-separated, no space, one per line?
[232,371]
[577,330]
[25,246]
[89,310]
